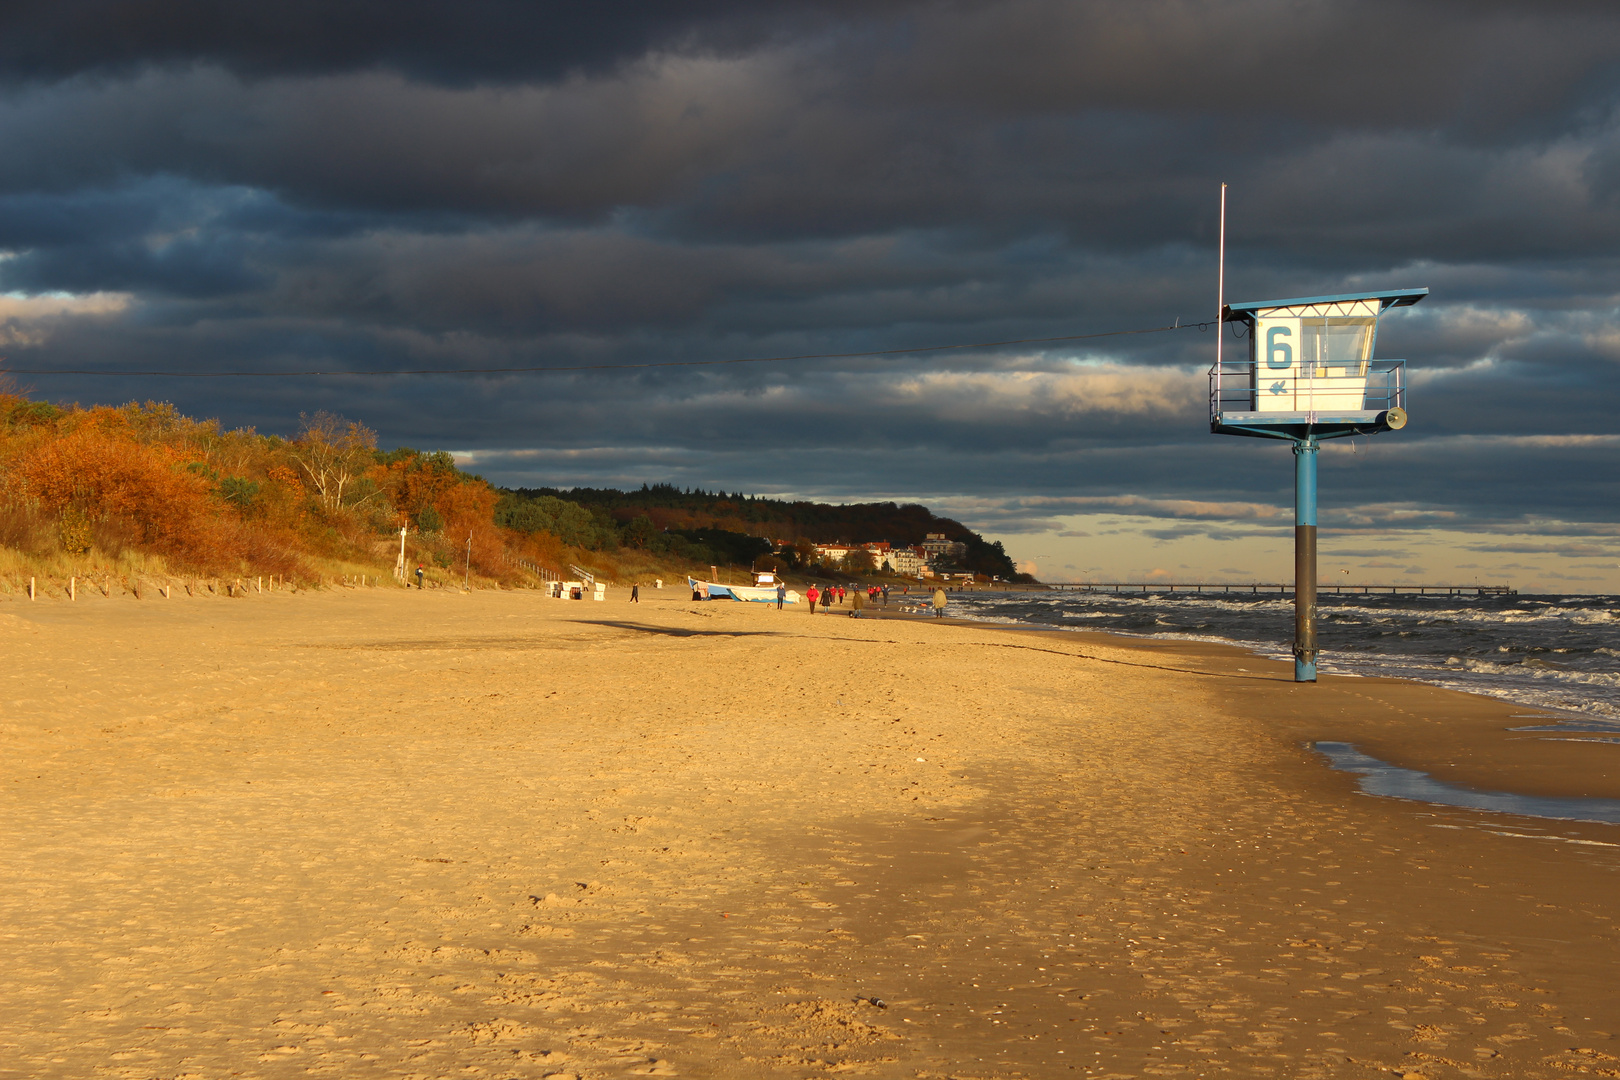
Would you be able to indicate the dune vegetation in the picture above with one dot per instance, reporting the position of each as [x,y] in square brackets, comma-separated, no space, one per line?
[120,496]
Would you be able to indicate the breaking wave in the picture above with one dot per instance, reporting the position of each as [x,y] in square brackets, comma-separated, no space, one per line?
[1545,652]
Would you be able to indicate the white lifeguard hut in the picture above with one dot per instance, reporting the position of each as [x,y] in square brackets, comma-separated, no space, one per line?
[1309,375]
[1310,368]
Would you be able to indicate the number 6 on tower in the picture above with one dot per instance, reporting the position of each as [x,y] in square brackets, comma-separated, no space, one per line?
[1274,347]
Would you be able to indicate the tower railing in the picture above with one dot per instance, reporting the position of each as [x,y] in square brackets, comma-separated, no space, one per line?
[1239,386]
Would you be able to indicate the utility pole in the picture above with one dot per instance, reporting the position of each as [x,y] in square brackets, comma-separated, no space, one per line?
[1305,558]
[399,567]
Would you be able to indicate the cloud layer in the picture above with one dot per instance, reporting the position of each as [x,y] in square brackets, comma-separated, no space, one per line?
[216,186]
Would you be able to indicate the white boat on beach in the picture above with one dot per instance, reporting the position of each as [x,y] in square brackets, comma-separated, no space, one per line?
[762,591]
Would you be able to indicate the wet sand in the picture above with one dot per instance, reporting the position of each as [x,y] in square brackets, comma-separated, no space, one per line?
[373,833]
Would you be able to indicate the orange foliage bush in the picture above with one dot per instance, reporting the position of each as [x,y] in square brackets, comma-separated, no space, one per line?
[540,548]
[468,510]
[99,469]
[145,477]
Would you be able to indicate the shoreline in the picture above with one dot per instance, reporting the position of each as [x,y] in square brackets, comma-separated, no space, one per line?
[1518,661]
[1420,724]
[380,834]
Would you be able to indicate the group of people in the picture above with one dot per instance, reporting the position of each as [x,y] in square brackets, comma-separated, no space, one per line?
[859,598]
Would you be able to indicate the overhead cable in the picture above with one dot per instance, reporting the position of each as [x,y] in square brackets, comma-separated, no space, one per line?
[393,373]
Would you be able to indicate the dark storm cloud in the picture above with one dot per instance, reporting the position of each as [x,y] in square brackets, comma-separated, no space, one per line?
[1352,65]
[472,41]
[830,134]
[356,187]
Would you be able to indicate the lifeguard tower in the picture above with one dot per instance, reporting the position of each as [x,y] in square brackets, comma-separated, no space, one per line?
[1309,375]
[1310,372]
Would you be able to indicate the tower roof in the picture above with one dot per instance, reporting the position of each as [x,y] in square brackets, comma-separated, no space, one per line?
[1385,300]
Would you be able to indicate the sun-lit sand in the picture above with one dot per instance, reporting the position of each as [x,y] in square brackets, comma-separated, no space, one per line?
[365,833]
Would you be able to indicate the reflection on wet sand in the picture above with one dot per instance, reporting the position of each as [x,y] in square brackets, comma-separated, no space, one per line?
[1392,781]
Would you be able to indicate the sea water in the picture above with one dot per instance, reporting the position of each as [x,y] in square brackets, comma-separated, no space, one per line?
[1392,781]
[1559,653]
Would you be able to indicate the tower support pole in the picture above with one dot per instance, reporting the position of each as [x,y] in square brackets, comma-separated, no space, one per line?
[1305,559]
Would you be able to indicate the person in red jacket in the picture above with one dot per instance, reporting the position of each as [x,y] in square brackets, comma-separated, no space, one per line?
[813,595]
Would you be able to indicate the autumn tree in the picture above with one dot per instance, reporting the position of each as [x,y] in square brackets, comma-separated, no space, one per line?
[859,561]
[640,532]
[334,453]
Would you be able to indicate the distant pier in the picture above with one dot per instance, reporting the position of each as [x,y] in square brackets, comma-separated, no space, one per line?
[1257,588]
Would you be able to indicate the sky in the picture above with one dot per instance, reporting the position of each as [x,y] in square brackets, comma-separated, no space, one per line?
[207,186]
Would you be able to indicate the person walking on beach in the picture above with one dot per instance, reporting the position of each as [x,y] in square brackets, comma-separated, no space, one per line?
[418,575]
[635,593]
[939,603]
[813,595]
[781,594]
[855,604]
[826,598]
[885,598]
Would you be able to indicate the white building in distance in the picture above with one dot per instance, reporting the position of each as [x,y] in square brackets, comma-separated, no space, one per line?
[906,561]
[936,546]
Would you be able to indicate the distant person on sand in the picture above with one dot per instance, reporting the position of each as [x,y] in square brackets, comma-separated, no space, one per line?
[418,575]
[635,594]
[813,595]
[855,604]
[885,597]
[939,603]
[781,594]
[826,598]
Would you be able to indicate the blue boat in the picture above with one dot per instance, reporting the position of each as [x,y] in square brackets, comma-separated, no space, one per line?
[763,591]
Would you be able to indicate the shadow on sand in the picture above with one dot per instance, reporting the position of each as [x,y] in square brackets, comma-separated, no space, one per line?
[671,631]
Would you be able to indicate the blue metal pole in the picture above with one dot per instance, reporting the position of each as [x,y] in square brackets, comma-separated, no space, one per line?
[1305,559]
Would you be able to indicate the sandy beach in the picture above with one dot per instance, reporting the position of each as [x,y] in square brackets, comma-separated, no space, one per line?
[380,833]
